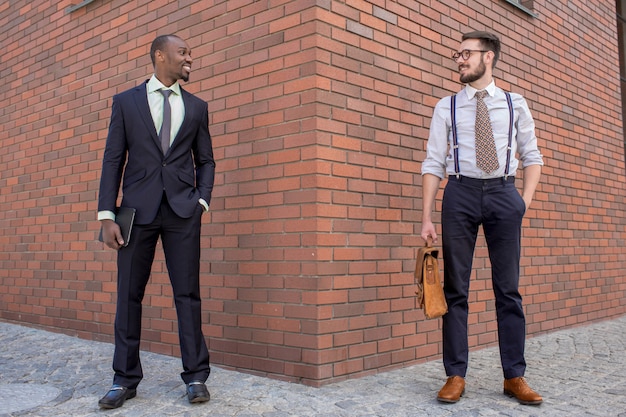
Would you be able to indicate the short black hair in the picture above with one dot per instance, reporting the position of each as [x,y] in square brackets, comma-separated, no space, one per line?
[488,41]
[158,44]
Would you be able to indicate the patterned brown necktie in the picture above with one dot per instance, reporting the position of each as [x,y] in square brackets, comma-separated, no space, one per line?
[164,135]
[486,156]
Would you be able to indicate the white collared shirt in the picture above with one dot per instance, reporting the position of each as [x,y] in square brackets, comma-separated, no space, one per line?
[439,156]
[155,101]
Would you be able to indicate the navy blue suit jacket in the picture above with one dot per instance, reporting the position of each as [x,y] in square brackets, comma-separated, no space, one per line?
[186,173]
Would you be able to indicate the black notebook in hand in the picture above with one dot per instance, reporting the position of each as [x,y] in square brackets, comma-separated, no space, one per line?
[124,217]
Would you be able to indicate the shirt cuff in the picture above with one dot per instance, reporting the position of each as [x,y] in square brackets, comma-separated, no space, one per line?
[106,215]
[204,205]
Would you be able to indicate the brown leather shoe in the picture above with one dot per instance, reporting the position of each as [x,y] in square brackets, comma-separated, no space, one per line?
[518,388]
[453,390]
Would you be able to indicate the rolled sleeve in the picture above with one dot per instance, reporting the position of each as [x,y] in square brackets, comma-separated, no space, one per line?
[437,147]
[526,139]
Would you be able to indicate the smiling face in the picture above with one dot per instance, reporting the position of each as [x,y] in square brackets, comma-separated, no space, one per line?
[173,61]
[477,69]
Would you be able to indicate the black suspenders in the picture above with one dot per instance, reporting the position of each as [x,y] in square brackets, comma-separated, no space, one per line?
[455,142]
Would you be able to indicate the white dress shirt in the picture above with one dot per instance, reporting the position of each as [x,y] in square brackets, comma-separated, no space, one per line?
[439,155]
[155,100]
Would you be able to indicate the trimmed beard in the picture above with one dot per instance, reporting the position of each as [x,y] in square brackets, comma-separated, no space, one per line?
[476,75]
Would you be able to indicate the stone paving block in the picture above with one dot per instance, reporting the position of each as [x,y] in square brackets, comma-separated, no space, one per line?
[576,370]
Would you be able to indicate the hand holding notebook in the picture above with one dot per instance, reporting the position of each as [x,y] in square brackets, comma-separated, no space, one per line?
[124,217]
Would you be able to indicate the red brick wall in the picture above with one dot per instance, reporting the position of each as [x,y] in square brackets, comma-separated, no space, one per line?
[319,114]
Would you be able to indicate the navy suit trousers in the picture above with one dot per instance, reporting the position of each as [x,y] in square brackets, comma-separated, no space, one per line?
[181,244]
[498,206]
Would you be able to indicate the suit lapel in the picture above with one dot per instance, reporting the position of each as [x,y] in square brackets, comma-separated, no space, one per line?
[141,100]
[188,116]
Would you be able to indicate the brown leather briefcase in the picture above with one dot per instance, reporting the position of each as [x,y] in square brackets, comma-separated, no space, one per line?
[429,292]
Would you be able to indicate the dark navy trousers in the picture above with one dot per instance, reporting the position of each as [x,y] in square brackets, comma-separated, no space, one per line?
[498,206]
[181,243]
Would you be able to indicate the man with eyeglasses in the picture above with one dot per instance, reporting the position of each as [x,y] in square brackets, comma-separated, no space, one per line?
[478,139]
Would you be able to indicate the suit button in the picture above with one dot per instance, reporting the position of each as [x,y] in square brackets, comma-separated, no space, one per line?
[164,164]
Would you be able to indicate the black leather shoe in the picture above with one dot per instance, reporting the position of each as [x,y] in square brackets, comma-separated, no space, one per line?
[116,396]
[197,392]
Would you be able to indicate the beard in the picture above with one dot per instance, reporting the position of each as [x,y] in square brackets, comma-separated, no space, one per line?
[183,74]
[476,75]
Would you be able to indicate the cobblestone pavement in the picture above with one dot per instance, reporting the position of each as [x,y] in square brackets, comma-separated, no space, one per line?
[578,371]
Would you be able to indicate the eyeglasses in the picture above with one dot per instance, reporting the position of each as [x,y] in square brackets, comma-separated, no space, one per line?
[465,54]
